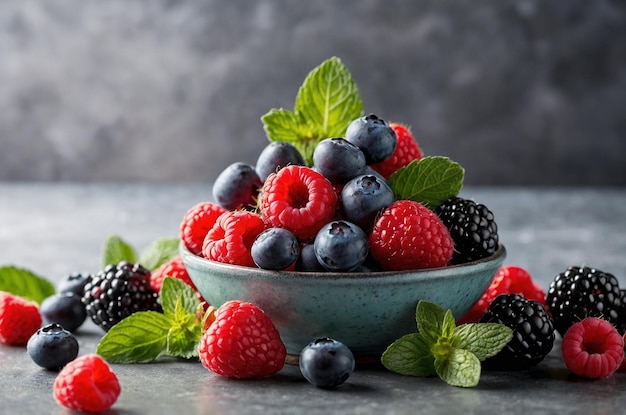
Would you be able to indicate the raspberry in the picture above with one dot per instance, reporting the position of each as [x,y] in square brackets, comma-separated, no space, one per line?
[242,343]
[19,319]
[196,223]
[407,235]
[231,238]
[175,267]
[406,151]
[592,348]
[298,199]
[509,279]
[87,384]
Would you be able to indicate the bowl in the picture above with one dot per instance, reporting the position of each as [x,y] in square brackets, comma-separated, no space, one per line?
[367,311]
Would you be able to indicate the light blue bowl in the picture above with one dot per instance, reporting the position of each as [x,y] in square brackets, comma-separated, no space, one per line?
[365,311]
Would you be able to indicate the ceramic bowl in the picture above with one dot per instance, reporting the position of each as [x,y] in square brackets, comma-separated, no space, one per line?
[365,311]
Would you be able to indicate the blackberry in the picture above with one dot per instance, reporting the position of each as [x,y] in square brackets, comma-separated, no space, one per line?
[118,291]
[581,292]
[472,227]
[533,332]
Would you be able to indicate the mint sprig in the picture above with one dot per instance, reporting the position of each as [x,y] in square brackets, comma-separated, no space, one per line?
[440,348]
[115,249]
[25,283]
[429,181]
[326,103]
[146,336]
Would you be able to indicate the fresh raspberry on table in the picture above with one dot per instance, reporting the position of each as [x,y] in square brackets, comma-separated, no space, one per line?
[592,348]
[231,238]
[87,384]
[242,342]
[196,223]
[406,151]
[19,319]
[509,279]
[408,235]
[298,199]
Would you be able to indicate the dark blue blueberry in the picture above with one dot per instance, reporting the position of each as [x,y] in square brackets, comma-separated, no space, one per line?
[275,156]
[66,309]
[341,246]
[74,283]
[307,261]
[338,160]
[237,187]
[52,347]
[363,197]
[275,249]
[373,136]
[326,363]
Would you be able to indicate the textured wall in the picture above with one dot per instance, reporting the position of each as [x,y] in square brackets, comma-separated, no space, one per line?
[519,92]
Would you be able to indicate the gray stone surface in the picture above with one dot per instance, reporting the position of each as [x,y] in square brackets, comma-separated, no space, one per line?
[519,92]
[58,228]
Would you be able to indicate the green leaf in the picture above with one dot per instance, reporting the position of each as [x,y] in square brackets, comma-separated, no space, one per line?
[139,338]
[326,103]
[448,325]
[174,292]
[185,333]
[482,339]
[461,368]
[159,252]
[430,320]
[25,283]
[409,355]
[429,181]
[116,249]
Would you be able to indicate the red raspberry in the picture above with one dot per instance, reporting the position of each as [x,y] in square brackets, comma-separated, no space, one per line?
[298,199]
[408,235]
[19,319]
[230,239]
[592,348]
[196,223]
[406,151]
[509,279]
[175,267]
[87,384]
[242,343]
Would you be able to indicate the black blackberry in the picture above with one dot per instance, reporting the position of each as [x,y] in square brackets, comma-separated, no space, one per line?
[472,227]
[533,332]
[582,292]
[117,292]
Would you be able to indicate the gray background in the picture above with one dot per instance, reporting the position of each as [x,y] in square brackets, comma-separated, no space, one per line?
[523,92]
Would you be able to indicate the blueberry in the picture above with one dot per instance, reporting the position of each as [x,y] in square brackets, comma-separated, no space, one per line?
[275,156]
[326,363]
[52,347]
[363,197]
[275,249]
[66,309]
[74,283]
[307,261]
[373,136]
[237,187]
[341,246]
[338,160]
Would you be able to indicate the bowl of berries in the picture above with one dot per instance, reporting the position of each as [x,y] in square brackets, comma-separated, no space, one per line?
[341,226]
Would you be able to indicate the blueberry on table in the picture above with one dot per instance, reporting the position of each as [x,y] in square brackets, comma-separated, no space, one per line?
[326,363]
[52,347]
[65,308]
[74,283]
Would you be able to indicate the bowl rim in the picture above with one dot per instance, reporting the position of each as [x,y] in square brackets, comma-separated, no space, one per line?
[188,255]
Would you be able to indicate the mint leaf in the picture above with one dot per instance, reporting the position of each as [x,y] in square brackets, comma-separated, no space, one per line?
[175,291]
[116,249]
[430,320]
[159,252]
[409,355]
[185,333]
[139,338]
[460,368]
[326,103]
[482,339]
[24,283]
[429,181]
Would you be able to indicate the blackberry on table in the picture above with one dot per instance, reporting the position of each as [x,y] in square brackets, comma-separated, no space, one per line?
[581,292]
[533,332]
[118,291]
[472,227]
